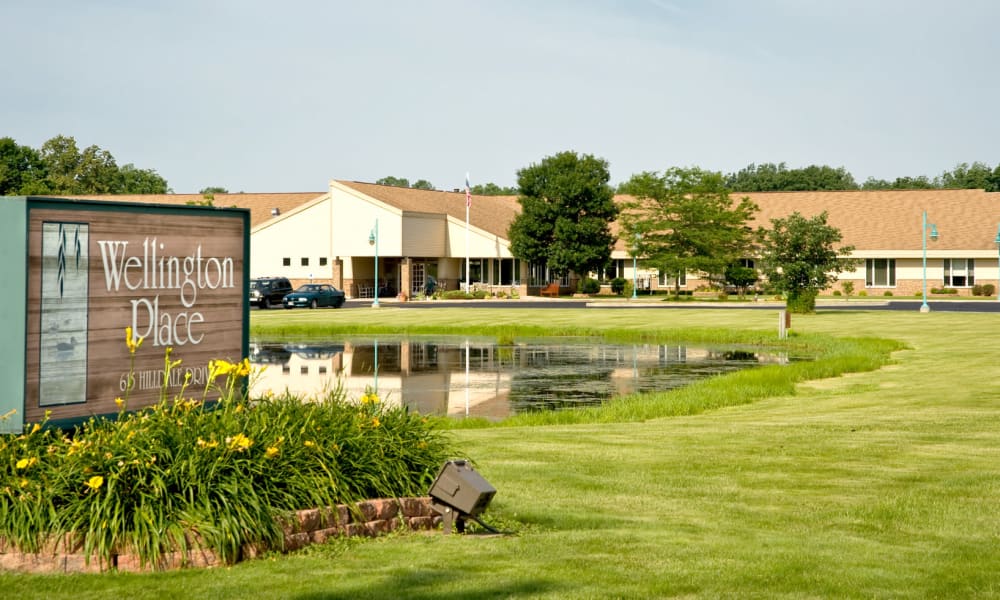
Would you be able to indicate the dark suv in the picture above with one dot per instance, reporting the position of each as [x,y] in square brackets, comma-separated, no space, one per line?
[268,291]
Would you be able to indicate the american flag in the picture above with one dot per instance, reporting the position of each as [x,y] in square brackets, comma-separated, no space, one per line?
[468,192]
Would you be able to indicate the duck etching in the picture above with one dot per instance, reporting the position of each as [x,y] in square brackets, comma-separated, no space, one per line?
[66,346]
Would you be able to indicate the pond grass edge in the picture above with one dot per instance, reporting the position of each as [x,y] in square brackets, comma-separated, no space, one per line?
[834,356]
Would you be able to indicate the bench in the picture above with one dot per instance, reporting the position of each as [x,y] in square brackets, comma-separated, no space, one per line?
[550,290]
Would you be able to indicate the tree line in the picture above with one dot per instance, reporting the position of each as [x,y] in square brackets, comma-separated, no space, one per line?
[778,177]
[484,189]
[770,177]
[60,168]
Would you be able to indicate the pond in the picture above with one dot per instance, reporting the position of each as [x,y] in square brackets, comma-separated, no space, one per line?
[475,377]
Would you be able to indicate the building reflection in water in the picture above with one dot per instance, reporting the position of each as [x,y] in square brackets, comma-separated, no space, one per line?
[475,377]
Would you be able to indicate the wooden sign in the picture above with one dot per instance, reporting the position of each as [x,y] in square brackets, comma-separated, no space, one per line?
[175,277]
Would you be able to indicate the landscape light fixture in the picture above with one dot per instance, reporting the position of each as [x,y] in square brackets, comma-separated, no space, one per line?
[460,493]
[934,236]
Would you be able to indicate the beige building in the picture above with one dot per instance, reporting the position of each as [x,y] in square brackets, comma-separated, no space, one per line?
[330,236]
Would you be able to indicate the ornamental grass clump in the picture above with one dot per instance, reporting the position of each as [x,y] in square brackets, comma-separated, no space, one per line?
[220,471]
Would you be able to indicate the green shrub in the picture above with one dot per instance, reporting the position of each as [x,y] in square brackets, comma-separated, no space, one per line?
[863,293]
[589,285]
[456,295]
[618,285]
[836,292]
[989,289]
[887,293]
[977,290]
[227,471]
[944,291]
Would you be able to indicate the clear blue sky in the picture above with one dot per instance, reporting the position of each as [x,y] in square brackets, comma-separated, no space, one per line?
[282,96]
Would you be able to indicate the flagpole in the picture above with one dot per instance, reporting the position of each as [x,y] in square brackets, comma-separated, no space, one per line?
[468,203]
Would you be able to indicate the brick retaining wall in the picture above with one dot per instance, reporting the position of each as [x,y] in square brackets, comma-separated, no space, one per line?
[370,518]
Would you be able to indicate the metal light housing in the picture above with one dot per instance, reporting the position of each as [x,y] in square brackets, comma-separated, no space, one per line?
[459,493]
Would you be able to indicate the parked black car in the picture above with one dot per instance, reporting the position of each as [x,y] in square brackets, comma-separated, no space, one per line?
[313,295]
[268,291]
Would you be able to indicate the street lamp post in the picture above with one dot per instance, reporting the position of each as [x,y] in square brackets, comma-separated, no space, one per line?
[934,236]
[373,241]
[635,270]
[997,241]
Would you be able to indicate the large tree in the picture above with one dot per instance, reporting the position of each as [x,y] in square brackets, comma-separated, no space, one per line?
[770,177]
[567,208]
[60,167]
[685,221]
[798,258]
[132,180]
[978,175]
[22,171]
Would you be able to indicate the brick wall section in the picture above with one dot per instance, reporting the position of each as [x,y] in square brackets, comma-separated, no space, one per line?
[369,518]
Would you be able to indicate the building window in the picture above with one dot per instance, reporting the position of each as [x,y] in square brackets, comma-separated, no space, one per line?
[417,278]
[615,269]
[322,261]
[305,261]
[538,274]
[477,266]
[880,272]
[667,281]
[286,262]
[505,271]
[959,272]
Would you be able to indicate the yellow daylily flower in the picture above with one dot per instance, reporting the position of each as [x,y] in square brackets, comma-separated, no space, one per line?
[95,482]
[203,444]
[239,442]
[131,341]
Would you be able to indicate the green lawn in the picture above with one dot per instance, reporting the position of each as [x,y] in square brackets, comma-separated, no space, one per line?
[872,485]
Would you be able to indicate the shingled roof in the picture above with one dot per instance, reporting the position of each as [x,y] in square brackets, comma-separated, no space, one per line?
[888,219]
[489,213]
[868,220]
[892,219]
[260,205]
